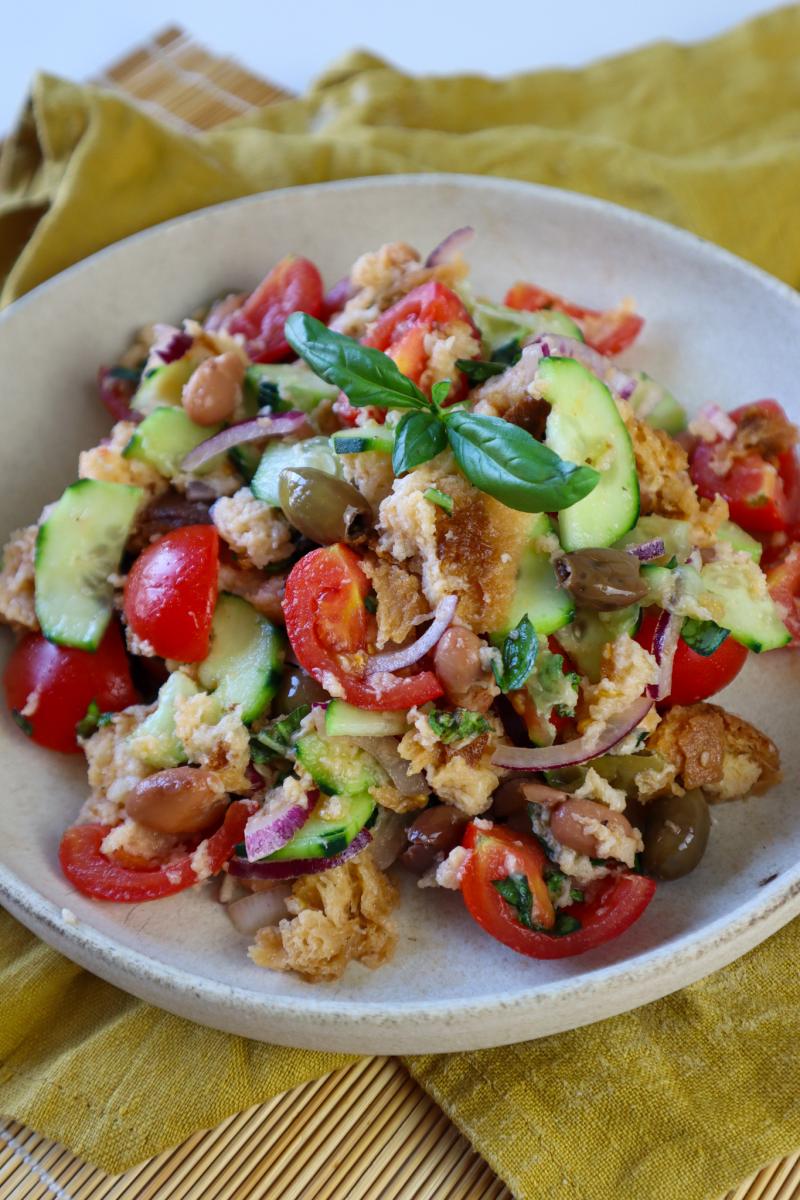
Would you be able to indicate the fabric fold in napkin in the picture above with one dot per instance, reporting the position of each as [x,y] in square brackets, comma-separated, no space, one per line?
[678,1100]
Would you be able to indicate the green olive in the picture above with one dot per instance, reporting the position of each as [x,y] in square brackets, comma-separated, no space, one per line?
[676,834]
[324,508]
[621,769]
[602,579]
[297,687]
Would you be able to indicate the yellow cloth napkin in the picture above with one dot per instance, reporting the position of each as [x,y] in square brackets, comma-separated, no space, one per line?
[682,1098]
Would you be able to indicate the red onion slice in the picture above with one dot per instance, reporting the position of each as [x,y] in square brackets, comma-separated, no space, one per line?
[645,551]
[395,660]
[338,296]
[452,245]
[275,824]
[549,345]
[719,421]
[251,913]
[170,344]
[292,868]
[244,431]
[550,758]
[665,643]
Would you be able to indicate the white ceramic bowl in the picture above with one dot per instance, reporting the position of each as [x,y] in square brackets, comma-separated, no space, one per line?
[718,330]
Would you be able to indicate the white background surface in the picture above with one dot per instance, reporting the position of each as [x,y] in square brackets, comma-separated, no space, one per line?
[291,41]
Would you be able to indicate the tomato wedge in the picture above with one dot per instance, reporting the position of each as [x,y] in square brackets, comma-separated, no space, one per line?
[609,332]
[695,676]
[294,285]
[783,581]
[171,591]
[102,878]
[328,626]
[499,853]
[49,688]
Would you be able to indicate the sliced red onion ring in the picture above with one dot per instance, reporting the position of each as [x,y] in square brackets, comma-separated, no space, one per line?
[645,551]
[251,913]
[395,660]
[549,345]
[719,421]
[384,751]
[170,344]
[452,245]
[338,296]
[550,758]
[275,824]
[292,868]
[665,643]
[244,431]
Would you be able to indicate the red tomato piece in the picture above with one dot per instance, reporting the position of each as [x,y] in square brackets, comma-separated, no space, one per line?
[294,285]
[49,687]
[171,591]
[102,878]
[327,623]
[609,332]
[783,581]
[695,676]
[116,394]
[613,907]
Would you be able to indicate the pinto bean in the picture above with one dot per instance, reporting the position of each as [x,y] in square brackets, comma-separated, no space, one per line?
[457,662]
[567,825]
[212,392]
[179,800]
[517,792]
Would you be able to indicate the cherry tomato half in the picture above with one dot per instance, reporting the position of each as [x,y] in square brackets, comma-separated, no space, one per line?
[695,676]
[91,872]
[616,902]
[294,285]
[171,591]
[49,687]
[327,623]
[783,581]
[609,332]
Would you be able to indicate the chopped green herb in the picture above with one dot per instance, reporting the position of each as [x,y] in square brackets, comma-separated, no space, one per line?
[23,722]
[441,498]
[555,881]
[268,394]
[479,370]
[275,739]
[672,564]
[371,602]
[458,725]
[509,353]
[704,637]
[576,895]
[516,891]
[91,720]
[565,923]
[518,655]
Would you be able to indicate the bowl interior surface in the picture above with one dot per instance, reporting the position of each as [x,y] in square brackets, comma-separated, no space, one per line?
[717,331]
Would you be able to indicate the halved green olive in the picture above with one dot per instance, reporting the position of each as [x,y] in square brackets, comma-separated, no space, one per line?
[676,834]
[324,508]
[602,579]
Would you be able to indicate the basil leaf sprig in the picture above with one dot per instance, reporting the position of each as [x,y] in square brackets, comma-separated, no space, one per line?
[498,458]
[517,655]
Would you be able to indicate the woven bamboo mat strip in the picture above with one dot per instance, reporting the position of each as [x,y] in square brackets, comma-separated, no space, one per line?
[367,1132]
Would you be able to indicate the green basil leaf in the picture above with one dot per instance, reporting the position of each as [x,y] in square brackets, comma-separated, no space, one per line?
[419,437]
[478,370]
[518,655]
[516,891]
[458,725]
[275,739]
[365,375]
[440,391]
[704,637]
[509,353]
[507,463]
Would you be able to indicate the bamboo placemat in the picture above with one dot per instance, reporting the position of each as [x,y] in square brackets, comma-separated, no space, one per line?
[326,1140]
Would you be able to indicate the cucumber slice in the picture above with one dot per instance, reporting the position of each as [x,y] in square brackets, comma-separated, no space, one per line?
[735,536]
[313,452]
[163,385]
[77,548]
[320,838]
[366,437]
[676,535]
[345,720]
[155,741]
[296,384]
[337,767]
[585,638]
[165,437]
[500,324]
[668,414]
[584,426]
[246,459]
[246,658]
[537,593]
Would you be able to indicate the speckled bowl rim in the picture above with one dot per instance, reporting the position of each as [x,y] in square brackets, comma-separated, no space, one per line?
[604,991]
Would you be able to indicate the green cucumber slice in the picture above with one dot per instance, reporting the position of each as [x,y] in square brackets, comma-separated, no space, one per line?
[668,414]
[296,384]
[584,639]
[312,452]
[338,767]
[585,427]
[500,324]
[246,459]
[165,437]
[537,593]
[737,537]
[163,385]
[77,548]
[371,436]
[320,838]
[345,720]
[246,658]
[155,741]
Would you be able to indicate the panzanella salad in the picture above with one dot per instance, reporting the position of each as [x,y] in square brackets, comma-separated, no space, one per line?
[395,576]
